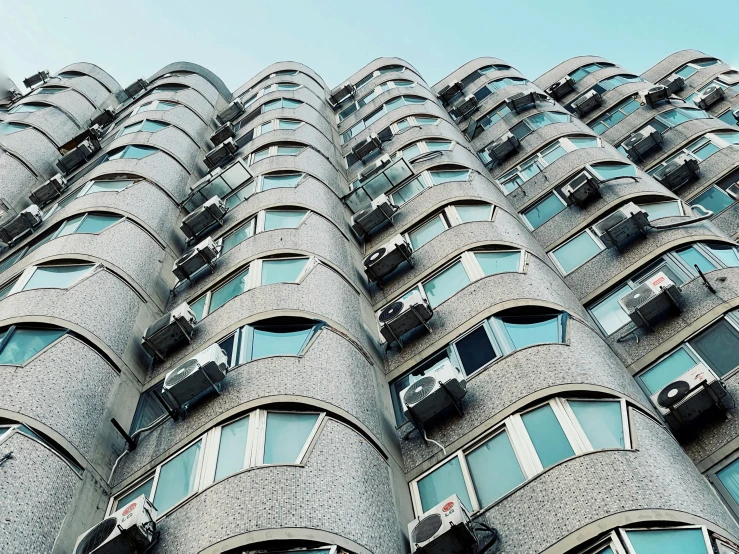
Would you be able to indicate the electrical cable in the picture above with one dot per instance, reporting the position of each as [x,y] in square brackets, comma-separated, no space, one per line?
[434,442]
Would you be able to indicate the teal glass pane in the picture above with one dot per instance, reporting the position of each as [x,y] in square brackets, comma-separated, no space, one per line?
[407,191]
[7,128]
[153,126]
[232,448]
[494,469]
[719,347]
[705,151]
[609,171]
[412,151]
[108,186]
[608,312]
[289,103]
[145,107]
[282,271]
[686,71]
[544,211]
[137,152]
[56,277]
[69,226]
[547,436]
[282,340]
[714,200]
[692,257]
[554,154]
[441,483]
[26,343]
[527,330]
[576,252]
[729,255]
[404,124]
[233,288]
[238,236]
[498,262]
[288,124]
[435,146]
[288,150]
[177,478]
[729,477]
[95,223]
[473,212]
[601,421]
[439,177]
[425,120]
[4,292]
[426,232]
[143,488]
[265,128]
[666,371]
[273,105]
[585,142]
[283,219]
[260,155]
[659,210]
[286,436]
[197,307]
[672,541]
[446,284]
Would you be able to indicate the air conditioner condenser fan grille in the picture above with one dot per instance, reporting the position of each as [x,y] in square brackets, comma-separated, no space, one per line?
[673,393]
[180,373]
[97,536]
[426,528]
[420,390]
[376,255]
[391,311]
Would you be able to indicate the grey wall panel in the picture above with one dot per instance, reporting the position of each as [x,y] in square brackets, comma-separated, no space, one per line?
[16,180]
[170,140]
[672,63]
[96,73]
[181,117]
[89,87]
[34,148]
[51,121]
[189,98]
[159,166]
[274,68]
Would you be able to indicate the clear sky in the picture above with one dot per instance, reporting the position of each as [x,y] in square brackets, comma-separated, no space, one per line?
[236,40]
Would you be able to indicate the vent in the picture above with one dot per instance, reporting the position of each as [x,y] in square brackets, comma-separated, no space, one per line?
[391,311]
[96,536]
[420,389]
[426,528]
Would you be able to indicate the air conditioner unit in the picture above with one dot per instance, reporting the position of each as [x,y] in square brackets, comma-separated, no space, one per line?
[503,147]
[129,530]
[51,189]
[11,95]
[639,144]
[650,301]
[693,393]
[622,225]
[733,191]
[36,79]
[387,258]
[80,154]
[136,87]
[399,317]
[197,258]
[561,88]
[231,111]
[653,95]
[521,101]
[582,189]
[381,163]
[225,131]
[347,90]
[587,103]
[467,106]
[367,146]
[380,210]
[103,118]
[221,153]
[444,529]
[723,548]
[170,330]
[678,172]
[452,89]
[18,225]
[674,83]
[432,393]
[203,218]
[192,380]
[709,97]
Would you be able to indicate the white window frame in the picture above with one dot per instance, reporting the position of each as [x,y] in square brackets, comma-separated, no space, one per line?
[258,132]
[155,106]
[554,192]
[600,120]
[593,236]
[423,147]
[206,463]
[523,448]
[266,90]
[449,218]
[141,124]
[694,146]
[630,549]
[376,91]
[22,280]
[272,151]
[257,221]
[412,122]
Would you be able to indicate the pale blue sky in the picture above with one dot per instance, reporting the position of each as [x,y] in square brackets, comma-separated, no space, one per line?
[236,40]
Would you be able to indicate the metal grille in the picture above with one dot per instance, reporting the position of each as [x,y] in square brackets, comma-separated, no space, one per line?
[419,390]
[97,536]
[426,528]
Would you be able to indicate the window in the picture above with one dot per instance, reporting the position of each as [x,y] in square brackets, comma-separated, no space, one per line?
[619,112]
[492,117]
[132,151]
[658,210]
[581,72]
[618,80]
[702,148]
[28,107]
[367,98]
[714,82]
[576,251]
[277,125]
[256,273]
[280,104]
[714,347]
[262,437]
[544,210]
[613,170]
[520,448]
[51,277]
[495,337]
[49,90]
[18,344]
[9,127]
[387,107]
[275,150]
[9,428]
[424,147]
[453,214]
[671,118]
[112,185]
[728,118]
[155,106]
[690,68]
[238,236]
[472,77]
[146,125]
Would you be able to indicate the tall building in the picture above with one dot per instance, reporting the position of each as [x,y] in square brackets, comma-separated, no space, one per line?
[299,319]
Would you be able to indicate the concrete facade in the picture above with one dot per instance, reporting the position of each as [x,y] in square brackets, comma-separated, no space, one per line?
[361,474]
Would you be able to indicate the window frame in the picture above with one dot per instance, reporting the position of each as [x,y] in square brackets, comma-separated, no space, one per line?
[20,281]
[449,218]
[711,138]
[10,330]
[155,106]
[360,103]
[273,150]
[595,239]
